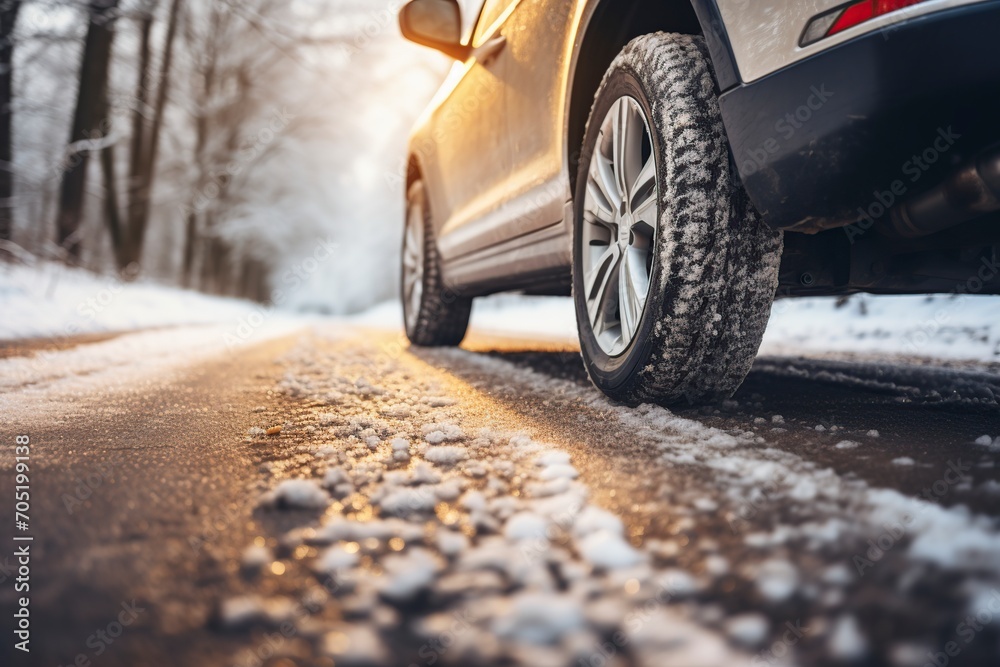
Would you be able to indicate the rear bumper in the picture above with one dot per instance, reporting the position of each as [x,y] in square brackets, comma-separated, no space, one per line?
[868,122]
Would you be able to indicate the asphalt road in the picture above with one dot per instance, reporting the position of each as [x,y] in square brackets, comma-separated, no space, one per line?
[487,506]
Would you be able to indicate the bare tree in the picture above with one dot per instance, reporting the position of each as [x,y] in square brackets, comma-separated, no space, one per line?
[233,87]
[121,234]
[8,19]
[206,66]
[89,121]
[146,144]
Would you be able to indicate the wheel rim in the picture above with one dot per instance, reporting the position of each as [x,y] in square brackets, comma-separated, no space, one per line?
[619,228]
[413,264]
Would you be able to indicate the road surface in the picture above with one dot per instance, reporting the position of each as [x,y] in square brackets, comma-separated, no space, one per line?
[486,506]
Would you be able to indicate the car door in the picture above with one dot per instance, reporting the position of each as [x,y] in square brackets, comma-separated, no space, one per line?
[537,53]
[471,140]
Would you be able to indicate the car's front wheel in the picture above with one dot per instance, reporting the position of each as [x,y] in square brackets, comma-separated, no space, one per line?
[674,273]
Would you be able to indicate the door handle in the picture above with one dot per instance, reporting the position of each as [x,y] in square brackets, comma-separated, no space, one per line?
[487,52]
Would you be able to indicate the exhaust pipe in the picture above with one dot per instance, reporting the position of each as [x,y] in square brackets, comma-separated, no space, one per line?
[968,193]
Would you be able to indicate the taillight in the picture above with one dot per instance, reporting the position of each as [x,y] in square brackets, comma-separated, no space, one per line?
[849,16]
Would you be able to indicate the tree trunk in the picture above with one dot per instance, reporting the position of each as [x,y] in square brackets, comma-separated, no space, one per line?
[145,171]
[190,234]
[111,213]
[137,150]
[88,119]
[8,18]
[193,231]
[221,268]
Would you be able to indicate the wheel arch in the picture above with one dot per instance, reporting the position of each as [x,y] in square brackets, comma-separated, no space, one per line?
[606,27]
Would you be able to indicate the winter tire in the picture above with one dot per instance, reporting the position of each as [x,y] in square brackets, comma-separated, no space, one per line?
[434,314]
[674,272]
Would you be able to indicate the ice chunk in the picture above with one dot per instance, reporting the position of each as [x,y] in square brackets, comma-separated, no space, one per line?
[562,470]
[408,574]
[748,629]
[446,455]
[846,643]
[777,579]
[298,494]
[608,550]
[592,519]
[537,618]
[526,526]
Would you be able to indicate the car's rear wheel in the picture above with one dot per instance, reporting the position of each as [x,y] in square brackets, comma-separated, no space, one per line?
[433,313]
[674,273]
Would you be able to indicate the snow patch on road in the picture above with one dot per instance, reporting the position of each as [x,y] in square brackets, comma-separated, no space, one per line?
[951,538]
[490,527]
[36,386]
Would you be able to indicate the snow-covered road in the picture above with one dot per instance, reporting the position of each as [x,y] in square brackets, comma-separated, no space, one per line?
[487,506]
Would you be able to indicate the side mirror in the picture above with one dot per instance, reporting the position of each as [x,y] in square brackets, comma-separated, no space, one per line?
[435,23]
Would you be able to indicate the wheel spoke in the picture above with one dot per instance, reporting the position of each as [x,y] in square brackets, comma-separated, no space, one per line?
[620,140]
[631,295]
[409,282]
[605,178]
[645,212]
[598,201]
[644,187]
[628,132]
[596,284]
[409,259]
[415,297]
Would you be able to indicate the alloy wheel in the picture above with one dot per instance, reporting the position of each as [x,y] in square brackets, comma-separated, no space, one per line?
[619,226]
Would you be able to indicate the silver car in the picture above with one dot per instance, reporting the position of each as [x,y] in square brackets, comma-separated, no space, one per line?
[676,164]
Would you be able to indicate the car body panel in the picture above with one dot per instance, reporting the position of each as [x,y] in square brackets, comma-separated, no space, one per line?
[536,102]
[465,132]
[872,104]
[487,223]
[765,34]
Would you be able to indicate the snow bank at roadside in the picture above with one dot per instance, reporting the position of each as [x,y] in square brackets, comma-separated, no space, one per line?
[938,326]
[50,300]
